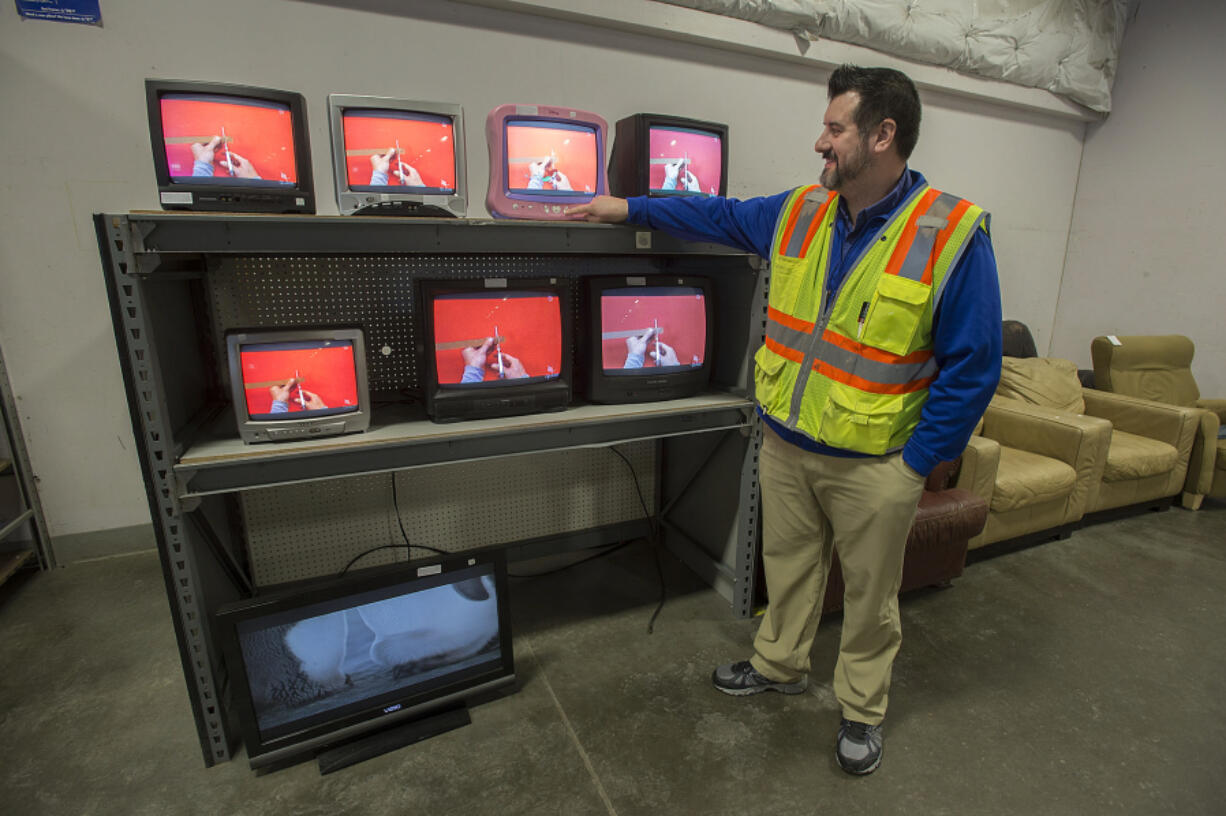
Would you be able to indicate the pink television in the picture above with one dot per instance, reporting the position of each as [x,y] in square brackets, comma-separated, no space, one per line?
[544,158]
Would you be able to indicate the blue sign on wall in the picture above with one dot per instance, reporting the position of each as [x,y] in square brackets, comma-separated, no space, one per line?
[66,11]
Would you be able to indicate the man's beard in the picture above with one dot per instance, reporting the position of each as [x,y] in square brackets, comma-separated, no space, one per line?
[846,170]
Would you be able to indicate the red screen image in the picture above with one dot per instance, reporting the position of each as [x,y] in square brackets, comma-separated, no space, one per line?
[526,328]
[568,151]
[257,138]
[424,143]
[672,318]
[699,152]
[299,371]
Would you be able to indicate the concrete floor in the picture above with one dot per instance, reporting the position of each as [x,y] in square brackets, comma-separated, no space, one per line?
[1082,676]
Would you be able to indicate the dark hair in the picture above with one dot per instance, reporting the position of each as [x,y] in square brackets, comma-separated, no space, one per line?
[884,94]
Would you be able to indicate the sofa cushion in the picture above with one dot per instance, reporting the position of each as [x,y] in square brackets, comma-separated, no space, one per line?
[1220,463]
[1024,478]
[1135,457]
[1047,381]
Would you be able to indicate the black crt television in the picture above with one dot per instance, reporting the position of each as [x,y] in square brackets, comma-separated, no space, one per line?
[398,156]
[647,337]
[229,148]
[298,383]
[660,155]
[495,346]
[372,656]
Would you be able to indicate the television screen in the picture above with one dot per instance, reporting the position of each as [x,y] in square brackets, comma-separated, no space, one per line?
[229,148]
[659,328]
[492,338]
[684,160]
[305,377]
[551,157]
[296,383]
[319,665]
[219,139]
[388,149]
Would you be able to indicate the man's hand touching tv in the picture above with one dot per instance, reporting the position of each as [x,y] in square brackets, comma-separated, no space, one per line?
[602,209]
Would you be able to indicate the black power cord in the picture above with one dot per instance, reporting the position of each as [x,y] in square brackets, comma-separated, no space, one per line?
[655,538]
[410,546]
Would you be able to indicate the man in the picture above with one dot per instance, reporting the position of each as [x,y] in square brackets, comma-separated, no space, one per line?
[882,351]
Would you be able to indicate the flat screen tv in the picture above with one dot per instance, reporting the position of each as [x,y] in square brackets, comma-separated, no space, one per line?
[648,338]
[319,665]
[229,148]
[495,347]
[544,158]
[298,383]
[659,155]
[398,157]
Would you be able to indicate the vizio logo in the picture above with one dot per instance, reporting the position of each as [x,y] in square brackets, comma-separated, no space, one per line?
[390,709]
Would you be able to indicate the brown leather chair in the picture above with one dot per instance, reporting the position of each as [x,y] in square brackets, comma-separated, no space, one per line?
[936,546]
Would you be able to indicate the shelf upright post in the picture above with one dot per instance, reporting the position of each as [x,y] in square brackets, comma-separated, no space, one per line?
[154,434]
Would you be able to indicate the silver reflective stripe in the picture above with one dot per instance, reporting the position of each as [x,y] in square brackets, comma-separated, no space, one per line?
[953,264]
[801,228]
[849,361]
[926,228]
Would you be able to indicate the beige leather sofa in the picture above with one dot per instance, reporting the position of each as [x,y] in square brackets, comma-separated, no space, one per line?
[1150,442]
[1159,368]
[1039,469]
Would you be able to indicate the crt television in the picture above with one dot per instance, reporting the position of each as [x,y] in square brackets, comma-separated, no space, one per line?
[659,155]
[648,338]
[320,664]
[398,157]
[543,158]
[495,347]
[232,148]
[298,383]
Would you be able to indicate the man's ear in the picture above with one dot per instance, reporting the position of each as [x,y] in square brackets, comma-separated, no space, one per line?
[884,134]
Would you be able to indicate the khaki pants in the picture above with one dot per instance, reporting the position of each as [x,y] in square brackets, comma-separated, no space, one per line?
[863,508]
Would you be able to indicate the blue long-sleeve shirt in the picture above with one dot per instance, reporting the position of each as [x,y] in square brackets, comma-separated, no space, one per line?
[966,325]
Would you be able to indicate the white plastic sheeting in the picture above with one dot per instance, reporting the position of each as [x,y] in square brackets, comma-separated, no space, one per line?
[1068,47]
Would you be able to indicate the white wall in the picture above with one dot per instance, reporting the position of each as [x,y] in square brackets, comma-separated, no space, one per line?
[1146,246]
[76,142]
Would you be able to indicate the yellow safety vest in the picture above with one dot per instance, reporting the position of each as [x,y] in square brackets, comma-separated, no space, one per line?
[855,374]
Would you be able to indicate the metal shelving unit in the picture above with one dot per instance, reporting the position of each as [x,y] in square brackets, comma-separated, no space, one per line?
[177,282]
[27,514]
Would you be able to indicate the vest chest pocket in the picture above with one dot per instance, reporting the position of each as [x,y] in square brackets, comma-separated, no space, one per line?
[895,314]
[857,420]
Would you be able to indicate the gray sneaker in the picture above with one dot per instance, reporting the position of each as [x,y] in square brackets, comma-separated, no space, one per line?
[859,747]
[742,678]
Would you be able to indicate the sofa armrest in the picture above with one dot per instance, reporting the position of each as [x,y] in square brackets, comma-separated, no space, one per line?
[1203,457]
[1045,431]
[1217,406]
[980,461]
[1175,425]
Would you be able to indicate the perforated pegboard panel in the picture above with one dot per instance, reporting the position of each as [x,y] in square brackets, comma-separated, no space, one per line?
[314,529]
[377,293]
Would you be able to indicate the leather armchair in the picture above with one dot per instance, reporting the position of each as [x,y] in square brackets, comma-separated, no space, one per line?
[1159,368]
[947,518]
[1038,469]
